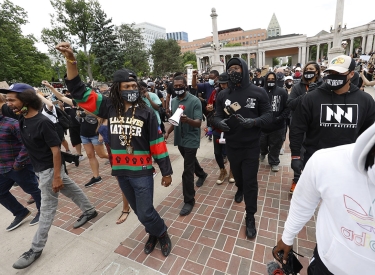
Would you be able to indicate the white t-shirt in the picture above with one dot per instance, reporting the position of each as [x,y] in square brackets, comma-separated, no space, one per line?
[53,117]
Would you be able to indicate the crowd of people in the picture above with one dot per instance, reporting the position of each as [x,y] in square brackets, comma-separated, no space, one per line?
[247,115]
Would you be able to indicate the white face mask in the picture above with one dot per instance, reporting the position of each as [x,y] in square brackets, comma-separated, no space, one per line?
[211,82]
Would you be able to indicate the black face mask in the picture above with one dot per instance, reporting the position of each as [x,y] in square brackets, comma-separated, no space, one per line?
[179,91]
[279,76]
[309,75]
[271,83]
[288,85]
[336,81]
[130,95]
[236,77]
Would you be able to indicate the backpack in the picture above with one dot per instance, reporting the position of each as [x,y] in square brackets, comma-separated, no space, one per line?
[63,118]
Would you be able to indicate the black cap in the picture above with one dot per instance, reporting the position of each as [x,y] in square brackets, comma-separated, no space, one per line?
[124,75]
[223,78]
[234,61]
[258,70]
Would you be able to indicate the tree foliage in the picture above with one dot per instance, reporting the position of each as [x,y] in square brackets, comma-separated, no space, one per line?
[167,56]
[233,45]
[105,45]
[73,21]
[20,61]
[132,47]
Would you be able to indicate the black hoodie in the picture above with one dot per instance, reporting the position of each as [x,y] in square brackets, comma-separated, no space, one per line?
[277,97]
[254,104]
[298,91]
[329,119]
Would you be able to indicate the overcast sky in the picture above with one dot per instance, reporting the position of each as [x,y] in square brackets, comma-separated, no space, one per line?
[193,17]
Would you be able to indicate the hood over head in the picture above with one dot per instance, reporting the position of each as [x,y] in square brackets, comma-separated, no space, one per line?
[362,147]
[266,82]
[245,72]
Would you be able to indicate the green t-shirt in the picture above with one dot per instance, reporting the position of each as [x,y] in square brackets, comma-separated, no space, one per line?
[184,134]
[157,101]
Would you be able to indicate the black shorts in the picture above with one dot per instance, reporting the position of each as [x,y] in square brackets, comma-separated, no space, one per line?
[75,137]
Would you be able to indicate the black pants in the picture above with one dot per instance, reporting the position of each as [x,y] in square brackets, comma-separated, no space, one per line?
[191,167]
[317,267]
[219,151]
[271,143]
[244,162]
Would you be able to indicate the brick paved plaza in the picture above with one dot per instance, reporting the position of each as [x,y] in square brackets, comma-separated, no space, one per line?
[211,240]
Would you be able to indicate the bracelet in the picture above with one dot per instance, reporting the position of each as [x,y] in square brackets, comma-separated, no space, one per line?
[71,61]
[296,157]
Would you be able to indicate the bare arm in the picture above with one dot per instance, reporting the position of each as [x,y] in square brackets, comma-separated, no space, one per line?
[194,80]
[71,63]
[48,103]
[365,80]
[59,95]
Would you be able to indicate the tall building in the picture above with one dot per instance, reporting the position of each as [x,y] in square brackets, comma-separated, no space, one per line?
[178,36]
[274,28]
[229,36]
[150,33]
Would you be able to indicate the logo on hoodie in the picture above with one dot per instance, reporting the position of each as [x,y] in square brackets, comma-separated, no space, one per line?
[339,115]
[364,219]
[250,103]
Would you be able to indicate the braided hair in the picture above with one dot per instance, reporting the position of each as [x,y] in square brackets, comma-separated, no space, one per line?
[118,101]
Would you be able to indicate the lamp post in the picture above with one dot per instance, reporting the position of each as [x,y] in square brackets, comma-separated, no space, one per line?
[57,69]
[337,30]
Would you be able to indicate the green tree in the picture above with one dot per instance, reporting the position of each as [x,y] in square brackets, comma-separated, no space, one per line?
[73,21]
[104,45]
[132,47]
[167,56]
[233,45]
[275,61]
[20,61]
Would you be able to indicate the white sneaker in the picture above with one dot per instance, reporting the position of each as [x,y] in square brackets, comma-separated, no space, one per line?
[81,158]
[275,168]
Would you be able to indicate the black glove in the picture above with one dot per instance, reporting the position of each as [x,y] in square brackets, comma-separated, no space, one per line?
[246,122]
[223,125]
[278,119]
[312,86]
[297,165]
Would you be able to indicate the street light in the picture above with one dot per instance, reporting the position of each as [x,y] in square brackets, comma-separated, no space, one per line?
[214,47]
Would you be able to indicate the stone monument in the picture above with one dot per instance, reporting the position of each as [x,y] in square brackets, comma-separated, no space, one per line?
[216,63]
[337,30]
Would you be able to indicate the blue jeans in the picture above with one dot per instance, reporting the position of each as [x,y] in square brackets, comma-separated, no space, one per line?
[140,194]
[26,179]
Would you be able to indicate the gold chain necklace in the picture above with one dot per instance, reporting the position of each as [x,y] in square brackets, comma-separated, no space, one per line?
[124,141]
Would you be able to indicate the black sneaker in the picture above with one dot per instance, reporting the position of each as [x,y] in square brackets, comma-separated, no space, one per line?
[18,221]
[201,180]
[27,259]
[84,218]
[239,196]
[165,244]
[93,181]
[150,244]
[35,220]
[251,231]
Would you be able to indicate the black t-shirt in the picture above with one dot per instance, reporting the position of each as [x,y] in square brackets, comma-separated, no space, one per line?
[258,81]
[39,135]
[89,124]
[170,90]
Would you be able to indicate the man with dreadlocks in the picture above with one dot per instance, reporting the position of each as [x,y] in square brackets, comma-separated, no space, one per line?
[134,141]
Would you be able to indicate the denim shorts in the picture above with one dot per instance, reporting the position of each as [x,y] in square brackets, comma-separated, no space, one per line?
[93,140]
